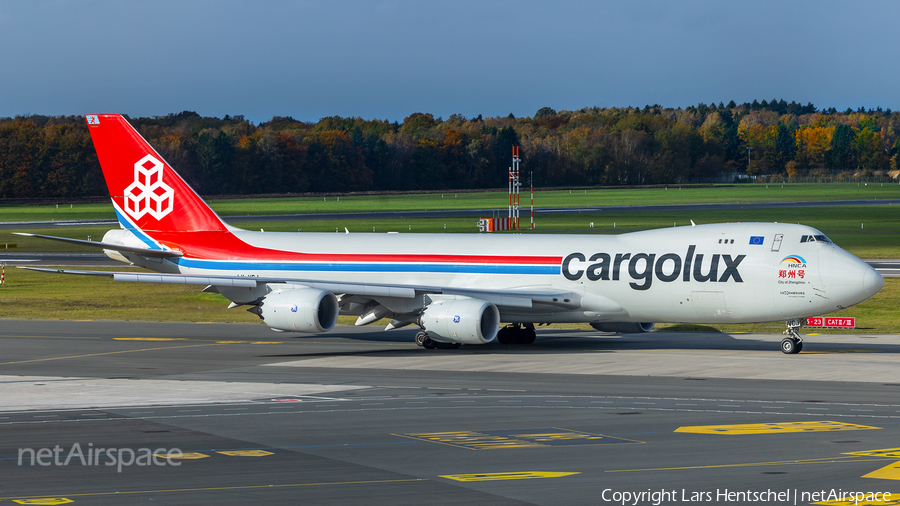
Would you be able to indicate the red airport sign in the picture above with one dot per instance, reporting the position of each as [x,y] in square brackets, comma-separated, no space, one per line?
[830,322]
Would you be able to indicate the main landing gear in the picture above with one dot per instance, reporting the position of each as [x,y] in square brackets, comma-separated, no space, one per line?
[428,343]
[516,334]
[792,344]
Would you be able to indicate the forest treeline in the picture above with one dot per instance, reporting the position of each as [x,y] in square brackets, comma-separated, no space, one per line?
[52,156]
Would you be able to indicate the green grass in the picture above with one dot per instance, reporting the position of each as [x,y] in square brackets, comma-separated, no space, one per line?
[492,200]
[39,295]
[865,231]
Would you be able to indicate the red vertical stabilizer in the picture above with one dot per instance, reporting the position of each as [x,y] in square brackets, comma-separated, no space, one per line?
[145,190]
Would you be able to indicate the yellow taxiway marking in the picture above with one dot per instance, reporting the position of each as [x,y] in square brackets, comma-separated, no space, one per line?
[183,456]
[149,339]
[53,337]
[891,472]
[826,460]
[45,500]
[215,489]
[498,439]
[868,500]
[526,475]
[773,428]
[105,353]
[887,452]
[247,453]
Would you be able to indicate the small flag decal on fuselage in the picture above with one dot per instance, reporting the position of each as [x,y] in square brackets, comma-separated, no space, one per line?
[756,239]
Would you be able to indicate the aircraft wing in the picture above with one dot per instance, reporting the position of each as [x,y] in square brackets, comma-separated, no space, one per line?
[154,253]
[513,298]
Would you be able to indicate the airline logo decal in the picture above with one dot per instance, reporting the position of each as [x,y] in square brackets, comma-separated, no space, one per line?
[148,194]
[792,271]
[642,267]
[794,261]
[93,120]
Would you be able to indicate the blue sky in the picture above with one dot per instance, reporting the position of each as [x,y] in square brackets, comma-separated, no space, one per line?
[389,59]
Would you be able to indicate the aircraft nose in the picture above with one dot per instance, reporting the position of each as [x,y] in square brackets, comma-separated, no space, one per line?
[873,282]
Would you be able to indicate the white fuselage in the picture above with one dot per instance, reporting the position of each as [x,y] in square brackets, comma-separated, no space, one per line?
[762,272]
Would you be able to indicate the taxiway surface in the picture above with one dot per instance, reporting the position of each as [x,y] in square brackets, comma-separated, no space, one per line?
[363,416]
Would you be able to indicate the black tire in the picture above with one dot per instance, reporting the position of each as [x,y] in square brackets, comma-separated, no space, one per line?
[506,335]
[789,346]
[428,344]
[420,338]
[528,335]
[799,346]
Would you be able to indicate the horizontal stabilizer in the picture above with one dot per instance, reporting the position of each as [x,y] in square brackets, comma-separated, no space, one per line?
[154,253]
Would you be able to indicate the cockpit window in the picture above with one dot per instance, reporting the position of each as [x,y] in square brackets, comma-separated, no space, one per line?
[814,238]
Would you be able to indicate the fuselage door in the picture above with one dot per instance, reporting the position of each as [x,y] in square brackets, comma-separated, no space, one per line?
[776,244]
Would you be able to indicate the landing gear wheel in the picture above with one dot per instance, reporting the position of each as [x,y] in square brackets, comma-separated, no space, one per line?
[516,334]
[429,344]
[528,334]
[790,346]
[420,338]
[793,343]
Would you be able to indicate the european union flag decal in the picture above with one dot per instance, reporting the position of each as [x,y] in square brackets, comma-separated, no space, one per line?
[756,239]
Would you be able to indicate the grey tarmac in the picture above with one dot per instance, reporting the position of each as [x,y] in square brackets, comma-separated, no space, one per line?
[363,416]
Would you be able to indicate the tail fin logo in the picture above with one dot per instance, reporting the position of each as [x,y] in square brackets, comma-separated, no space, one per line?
[148,194]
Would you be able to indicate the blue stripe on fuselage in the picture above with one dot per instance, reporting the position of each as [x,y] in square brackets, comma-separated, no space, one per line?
[365,267]
[134,230]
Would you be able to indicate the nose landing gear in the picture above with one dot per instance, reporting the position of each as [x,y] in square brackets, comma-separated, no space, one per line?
[793,343]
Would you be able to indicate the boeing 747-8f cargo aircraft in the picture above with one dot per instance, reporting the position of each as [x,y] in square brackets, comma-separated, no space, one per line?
[459,288]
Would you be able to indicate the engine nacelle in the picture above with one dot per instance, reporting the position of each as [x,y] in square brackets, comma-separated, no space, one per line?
[623,327]
[467,321]
[300,310]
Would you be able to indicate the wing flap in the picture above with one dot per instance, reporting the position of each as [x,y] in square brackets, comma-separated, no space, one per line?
[179,279]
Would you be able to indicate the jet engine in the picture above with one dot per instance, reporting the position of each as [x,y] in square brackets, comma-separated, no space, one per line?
[466,321]
[299,310]
[623,327]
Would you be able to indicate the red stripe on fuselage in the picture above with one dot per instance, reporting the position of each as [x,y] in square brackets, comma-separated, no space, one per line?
[226,246]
